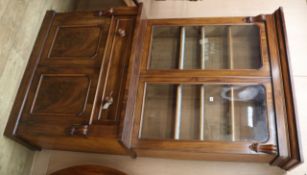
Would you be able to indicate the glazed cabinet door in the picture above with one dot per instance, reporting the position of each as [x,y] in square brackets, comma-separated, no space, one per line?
[205,91]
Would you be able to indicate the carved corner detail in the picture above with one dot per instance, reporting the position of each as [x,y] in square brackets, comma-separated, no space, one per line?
[264,148]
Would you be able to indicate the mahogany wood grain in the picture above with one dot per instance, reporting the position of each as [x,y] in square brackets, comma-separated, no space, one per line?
[194,155]
[277,93]
[127,115]
[118,11]
[76,40]
[83,59]
[116,68]
[77,56]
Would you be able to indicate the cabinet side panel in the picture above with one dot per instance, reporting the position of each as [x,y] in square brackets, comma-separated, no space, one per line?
[292,120]
[27,79]
[278,93]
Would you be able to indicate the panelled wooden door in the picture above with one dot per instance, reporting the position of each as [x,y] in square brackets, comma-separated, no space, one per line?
[63,90]
[71,95]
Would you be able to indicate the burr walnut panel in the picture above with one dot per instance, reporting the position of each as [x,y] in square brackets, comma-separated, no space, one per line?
[76,42]
[61,94]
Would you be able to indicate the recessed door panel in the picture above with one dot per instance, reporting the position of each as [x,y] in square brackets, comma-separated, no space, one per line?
[77,42]
[61,94]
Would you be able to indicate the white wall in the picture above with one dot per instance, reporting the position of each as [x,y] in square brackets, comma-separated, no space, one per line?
[296,16]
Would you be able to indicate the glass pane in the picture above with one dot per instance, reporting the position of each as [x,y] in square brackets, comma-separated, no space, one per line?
[206,47]
[164,47]
[159,111]
[246,47]
[205,112]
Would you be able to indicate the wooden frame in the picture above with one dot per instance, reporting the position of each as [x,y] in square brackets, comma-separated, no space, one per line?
[212,147]
[264,70]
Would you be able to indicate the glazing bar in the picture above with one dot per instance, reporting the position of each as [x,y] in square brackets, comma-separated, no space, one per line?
[179,87]
[202,90]
[232,102]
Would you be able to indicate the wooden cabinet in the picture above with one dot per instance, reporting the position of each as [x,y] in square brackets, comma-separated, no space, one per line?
[206,88]
[73,89]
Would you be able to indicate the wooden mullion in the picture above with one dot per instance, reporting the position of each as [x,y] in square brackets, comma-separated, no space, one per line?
[206,80]
[205,73]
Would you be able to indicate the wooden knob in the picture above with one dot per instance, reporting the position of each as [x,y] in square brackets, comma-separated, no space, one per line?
[121,32]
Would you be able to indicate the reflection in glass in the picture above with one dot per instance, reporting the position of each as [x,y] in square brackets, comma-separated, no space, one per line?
[206,47]
[208,112]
